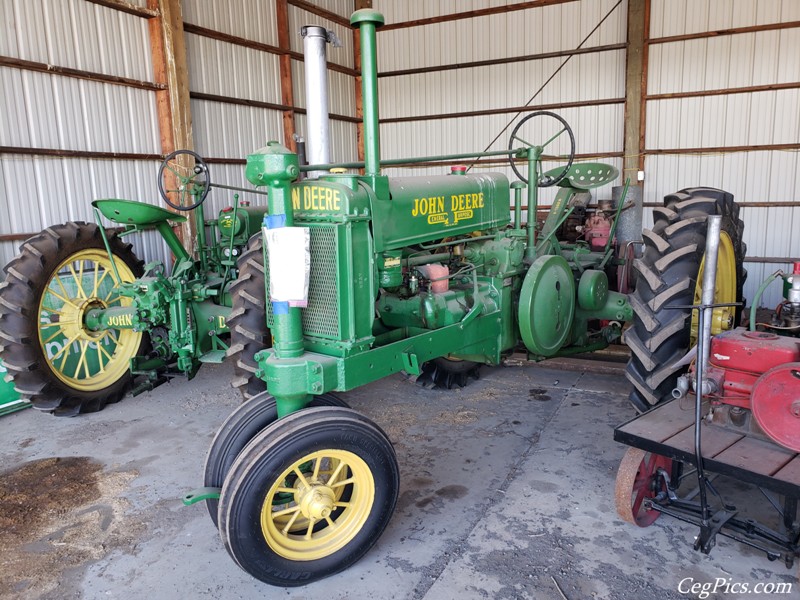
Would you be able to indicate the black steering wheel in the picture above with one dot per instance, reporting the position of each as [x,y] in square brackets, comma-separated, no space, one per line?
[185,174]
[542,180]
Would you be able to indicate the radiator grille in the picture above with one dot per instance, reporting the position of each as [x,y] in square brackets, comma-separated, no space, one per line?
[321,316]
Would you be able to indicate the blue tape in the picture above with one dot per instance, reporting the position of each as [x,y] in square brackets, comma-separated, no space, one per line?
[275,221]
[280,308]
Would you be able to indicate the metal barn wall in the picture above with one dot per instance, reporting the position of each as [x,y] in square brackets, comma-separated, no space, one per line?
[43,113]
[225,129]
[594,78]
[743,139]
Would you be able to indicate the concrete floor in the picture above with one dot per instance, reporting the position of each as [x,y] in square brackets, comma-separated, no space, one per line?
[507,491]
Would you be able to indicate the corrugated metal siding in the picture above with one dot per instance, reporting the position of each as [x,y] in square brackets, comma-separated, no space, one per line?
[76,34]
[344,143]
[249,19]
[41,110]
[756,118]
[679,17]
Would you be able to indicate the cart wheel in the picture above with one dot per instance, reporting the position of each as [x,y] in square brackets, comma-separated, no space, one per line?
[637,479]
[308,496]
[239,428]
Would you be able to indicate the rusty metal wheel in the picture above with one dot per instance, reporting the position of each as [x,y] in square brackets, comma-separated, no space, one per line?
[637,479]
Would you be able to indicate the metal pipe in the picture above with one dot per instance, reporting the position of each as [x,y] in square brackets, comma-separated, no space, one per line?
[709,285]
[408,161]
[315,40]
[368,21]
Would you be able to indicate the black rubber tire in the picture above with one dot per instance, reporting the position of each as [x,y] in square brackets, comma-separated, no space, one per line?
[248,319]
[262,463]
[666,275]
[27,276]
[444,373]
[241,426]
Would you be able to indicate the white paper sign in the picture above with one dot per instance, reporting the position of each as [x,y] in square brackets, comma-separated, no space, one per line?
[289,251]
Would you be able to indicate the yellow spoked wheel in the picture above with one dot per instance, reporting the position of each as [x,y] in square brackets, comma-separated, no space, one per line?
[724,290]
[304,515]
[308,496]
[85,360]
[53,358]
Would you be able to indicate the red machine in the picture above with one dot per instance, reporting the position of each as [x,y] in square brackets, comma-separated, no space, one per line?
[757,379]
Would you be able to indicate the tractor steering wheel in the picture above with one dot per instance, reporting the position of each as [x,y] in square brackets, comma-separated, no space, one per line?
[542,180]
[184,173]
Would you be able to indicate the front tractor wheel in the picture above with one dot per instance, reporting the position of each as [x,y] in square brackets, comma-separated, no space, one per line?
[308,496]
[669,275]
[55,361]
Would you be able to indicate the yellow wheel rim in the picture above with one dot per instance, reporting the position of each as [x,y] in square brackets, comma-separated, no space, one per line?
[306,514]
[724,289]
[85,360]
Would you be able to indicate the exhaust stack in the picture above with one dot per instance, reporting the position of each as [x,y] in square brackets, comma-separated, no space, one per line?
[368,21]
[318,134]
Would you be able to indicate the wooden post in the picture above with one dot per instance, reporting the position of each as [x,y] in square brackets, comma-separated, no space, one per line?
[635,88]
[168,48]
[285,62]
[358,5]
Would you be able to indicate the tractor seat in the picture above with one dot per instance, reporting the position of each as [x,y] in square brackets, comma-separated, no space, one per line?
[586,175]
[130,212]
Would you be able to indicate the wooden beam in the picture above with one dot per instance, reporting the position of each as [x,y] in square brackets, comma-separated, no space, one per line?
[28,65]
[483,12]
[643,87]
[320,12]
[61,153]
[285,66]
[501,61]
[127,7]
[722,32]
[770,87]
[633,86]
[245,43]
[505,110]
[168,48]
[723,149]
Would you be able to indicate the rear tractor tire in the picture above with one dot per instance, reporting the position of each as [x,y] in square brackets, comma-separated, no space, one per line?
[247,321]
[670,274]
[447,373]
[53,359]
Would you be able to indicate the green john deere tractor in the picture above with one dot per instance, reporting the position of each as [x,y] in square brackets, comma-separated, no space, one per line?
[367,275]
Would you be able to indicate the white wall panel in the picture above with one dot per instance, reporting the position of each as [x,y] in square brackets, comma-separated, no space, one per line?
[76,34]
[343,8]
[679,17]
[49,111]
[36,192]
[230,70]
[533,31]
[233,131]
[249,19]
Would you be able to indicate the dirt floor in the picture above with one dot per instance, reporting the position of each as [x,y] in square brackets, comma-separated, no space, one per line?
[507,491]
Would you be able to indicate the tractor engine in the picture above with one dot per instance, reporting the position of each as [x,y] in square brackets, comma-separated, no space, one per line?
[755,375]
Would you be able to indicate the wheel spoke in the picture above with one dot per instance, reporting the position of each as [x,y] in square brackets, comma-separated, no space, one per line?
[84,345]
[103,350]
[64,299]
[54,336]
[341,504]
[286,490]
[343,482]
[310,530]
[285,511]
[317,464]
[330,522]
[335,474]
[302,478]
[288,526]
[527,143]
[78,285]
[66,354]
